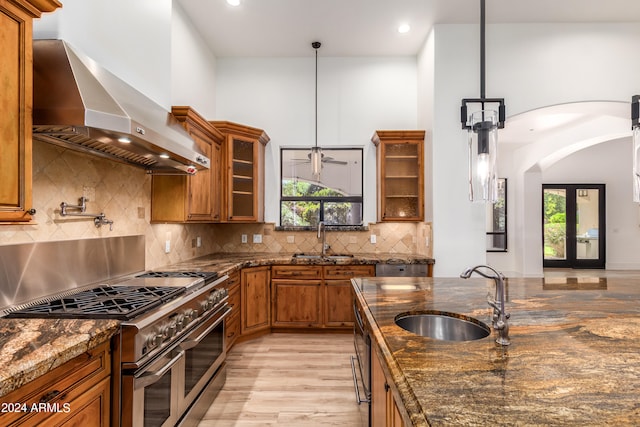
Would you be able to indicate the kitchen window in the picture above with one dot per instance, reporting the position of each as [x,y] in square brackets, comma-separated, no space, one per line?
[335,197]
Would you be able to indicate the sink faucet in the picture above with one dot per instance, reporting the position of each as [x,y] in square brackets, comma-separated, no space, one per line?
[322,233]
[500,316]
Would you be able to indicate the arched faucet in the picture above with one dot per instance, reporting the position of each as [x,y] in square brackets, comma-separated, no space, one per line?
[500,316]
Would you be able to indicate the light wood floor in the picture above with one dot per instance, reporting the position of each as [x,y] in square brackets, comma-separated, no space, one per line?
[288,380]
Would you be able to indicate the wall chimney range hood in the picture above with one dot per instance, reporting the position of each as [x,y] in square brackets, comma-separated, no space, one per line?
[78,104]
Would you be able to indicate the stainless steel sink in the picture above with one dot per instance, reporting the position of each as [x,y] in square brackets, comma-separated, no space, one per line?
[443,326]
[319,256]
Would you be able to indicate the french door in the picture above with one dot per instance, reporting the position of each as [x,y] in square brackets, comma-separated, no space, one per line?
[573,228]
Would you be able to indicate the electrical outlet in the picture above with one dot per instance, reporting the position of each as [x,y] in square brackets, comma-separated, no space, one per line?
[291,239]
[373,239]
[244,238]
[198,242]
[257,238]
[167,246]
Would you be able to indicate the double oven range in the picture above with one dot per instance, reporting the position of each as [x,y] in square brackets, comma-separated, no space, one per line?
[169,361]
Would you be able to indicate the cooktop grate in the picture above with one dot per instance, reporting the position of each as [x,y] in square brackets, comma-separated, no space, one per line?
[103,302]
[206,275]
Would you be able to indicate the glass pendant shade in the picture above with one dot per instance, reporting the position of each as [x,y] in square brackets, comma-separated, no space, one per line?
[316,162]
[636,164]
[483,150]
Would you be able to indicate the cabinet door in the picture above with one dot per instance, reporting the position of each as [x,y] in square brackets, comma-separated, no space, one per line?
[216,188]
[243,182]
[297,303]
[200,207]
[256,307]
[15,120]
[338,308]
[379,390]
[400,175]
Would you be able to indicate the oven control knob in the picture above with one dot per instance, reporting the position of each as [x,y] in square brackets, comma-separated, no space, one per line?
[189,316]
[206,305]
[179,322]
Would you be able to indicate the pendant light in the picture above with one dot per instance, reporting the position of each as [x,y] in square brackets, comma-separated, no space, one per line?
[482,127]
[316,152]
[635,127]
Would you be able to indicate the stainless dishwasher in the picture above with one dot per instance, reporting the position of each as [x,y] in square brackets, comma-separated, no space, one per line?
[401,270]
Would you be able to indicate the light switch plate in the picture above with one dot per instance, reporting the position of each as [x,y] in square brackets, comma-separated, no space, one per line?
[373,239]
[167,246]
[257,238]
[244,238]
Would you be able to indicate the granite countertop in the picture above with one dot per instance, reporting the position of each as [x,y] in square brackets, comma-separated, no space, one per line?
[225,263]
[574,357]
[30,348]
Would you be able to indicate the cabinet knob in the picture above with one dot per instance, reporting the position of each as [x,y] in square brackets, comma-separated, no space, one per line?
[31,211]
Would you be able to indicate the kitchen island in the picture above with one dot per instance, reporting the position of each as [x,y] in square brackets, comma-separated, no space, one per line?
[574,357]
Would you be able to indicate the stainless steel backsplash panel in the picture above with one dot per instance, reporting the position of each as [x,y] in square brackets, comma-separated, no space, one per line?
[36,270]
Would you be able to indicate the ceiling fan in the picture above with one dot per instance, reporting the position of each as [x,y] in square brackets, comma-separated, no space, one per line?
[324,159]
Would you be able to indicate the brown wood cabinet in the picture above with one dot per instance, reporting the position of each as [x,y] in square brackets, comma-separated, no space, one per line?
[338,309]
[384,409]
[296,296]
[255,312]
[16,99]
[191,198]
[232,323]
[243,151]
[313,296]
[400,174]
[74,394]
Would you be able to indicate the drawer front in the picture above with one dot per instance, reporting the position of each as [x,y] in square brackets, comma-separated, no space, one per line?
[232,329]
[296,272]
[348,271]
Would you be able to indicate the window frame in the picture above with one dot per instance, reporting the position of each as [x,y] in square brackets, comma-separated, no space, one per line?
[322,200]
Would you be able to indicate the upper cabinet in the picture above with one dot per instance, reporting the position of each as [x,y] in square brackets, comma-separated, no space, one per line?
[244,163]
[16,56]
[191,198]
[400,174]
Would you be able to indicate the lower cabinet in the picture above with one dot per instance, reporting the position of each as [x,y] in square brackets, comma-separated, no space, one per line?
[314,296]
[255,313]
[232,323]
[74,394]
[384,410]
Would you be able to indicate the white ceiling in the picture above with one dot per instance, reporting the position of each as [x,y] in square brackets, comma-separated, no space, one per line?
[369,27]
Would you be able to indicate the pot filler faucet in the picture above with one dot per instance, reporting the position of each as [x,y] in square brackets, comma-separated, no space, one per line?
[500,316]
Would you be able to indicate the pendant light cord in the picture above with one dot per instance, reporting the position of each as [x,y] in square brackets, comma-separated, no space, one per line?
[482,49]
[316,143]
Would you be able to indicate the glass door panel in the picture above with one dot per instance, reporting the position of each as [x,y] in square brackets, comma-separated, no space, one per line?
[587,224]
[555,223]
[573,225]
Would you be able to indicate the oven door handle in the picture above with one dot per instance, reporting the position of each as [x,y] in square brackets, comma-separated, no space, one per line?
[149,378]
[189,344]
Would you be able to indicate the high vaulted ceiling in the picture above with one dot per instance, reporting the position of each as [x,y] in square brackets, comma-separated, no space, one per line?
[369,27]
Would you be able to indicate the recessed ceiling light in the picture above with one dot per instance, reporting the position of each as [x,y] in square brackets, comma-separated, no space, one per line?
[404,28]
[233,2]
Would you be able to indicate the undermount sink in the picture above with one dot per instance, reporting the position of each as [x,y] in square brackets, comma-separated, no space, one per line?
[319,256]
[443,326]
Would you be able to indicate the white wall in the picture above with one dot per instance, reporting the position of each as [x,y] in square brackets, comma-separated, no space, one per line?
[531,66]
[610,164]
[356,96]
[132,39]
[193,67]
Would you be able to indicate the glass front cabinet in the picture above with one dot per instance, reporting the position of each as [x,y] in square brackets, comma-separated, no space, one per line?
[400,156]
[244,153]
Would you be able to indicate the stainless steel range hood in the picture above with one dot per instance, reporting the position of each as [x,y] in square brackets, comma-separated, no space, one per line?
[80,105]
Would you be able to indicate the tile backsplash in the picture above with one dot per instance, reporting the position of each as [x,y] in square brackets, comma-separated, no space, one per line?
[123,194]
